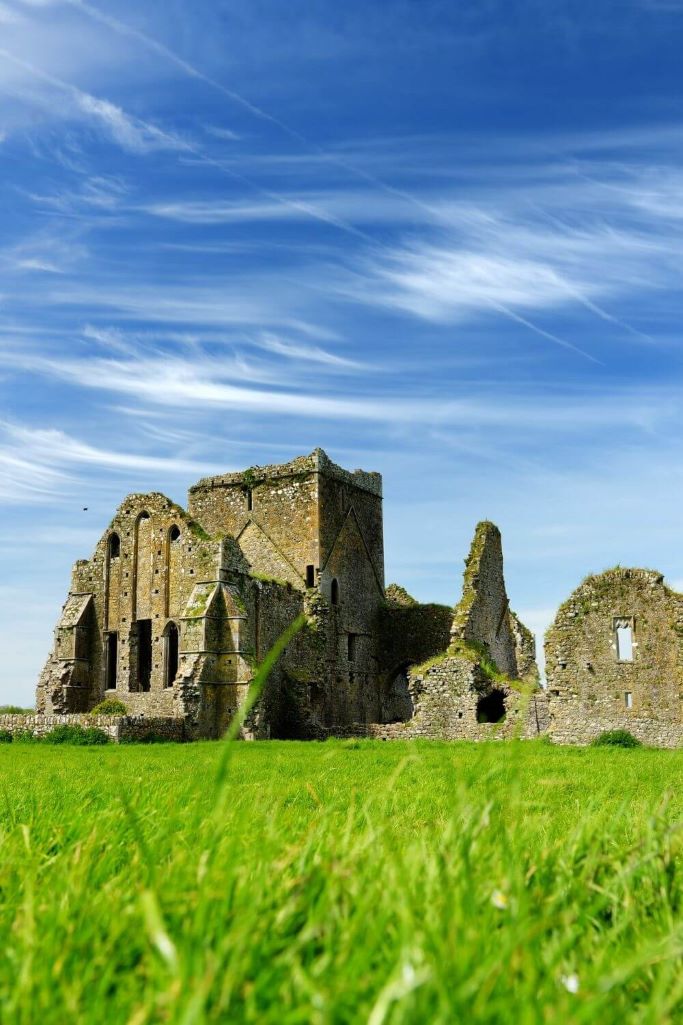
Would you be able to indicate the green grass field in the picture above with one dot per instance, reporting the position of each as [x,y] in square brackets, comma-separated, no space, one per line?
[341,882]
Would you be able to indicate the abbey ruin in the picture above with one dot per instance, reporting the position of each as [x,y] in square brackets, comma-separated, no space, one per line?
[177,607]
[614,660]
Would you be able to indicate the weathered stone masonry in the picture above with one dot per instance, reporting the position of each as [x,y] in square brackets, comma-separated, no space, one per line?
[614,660]
[176,607]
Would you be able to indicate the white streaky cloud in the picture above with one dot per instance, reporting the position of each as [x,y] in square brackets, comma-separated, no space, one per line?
[27,480]
[222,212]
[306,353]
[123,28]
[337,207]
[129,132]
[140,136]
[222,133]
[47,251]
[511,255]
[515,267]
[201,382]
[37,465]
[256,303]
[440,283]
[110,339]
[96,192]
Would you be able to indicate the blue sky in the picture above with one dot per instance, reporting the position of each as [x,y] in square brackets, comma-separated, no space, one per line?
[440,240]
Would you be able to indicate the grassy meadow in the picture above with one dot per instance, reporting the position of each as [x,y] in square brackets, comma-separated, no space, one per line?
[351,881]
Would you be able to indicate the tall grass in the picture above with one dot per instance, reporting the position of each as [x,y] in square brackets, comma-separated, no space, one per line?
[341,882]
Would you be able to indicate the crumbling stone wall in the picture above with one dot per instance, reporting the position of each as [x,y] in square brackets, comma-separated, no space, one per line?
[172,613]
[455,699]
[469,686]
[447,699]
[175,610]
[154,569]
[483,617]
[590,687]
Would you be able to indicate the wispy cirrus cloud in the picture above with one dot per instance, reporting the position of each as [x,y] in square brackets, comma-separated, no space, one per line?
[46,251]
[202,382]
[131,133]
[220,132]
[307,353]
[37,465]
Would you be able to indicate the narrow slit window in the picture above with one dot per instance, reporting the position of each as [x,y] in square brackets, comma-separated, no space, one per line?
[111,664]
[334,592]
[250,499]
[624,631]
[171,654]
[114,546]
[628,699]
[144,639]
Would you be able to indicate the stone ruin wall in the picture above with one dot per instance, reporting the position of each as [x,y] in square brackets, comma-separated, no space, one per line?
[588,684]
[163,567]
[483,617]
[445,698]
[453,696]
[450,696]
[358,664]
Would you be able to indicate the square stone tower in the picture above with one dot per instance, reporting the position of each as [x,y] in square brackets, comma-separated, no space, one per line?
[317,527]
[299,522]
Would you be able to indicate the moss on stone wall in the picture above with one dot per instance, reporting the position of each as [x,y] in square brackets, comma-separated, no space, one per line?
[397,597]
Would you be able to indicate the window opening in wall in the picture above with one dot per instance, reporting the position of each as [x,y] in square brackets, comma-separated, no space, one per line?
[174,533]
[628,699]
[352,638]
[624,632]
[171,654]
[114,546]
[334,592]
[111,660]
[310,576]
[491,708]
[144,639]
[250,499]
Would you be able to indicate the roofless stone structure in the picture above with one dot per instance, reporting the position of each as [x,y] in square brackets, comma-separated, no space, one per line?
[177,607]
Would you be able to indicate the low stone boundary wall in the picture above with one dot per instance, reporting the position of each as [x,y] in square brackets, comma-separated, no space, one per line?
[117,727]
